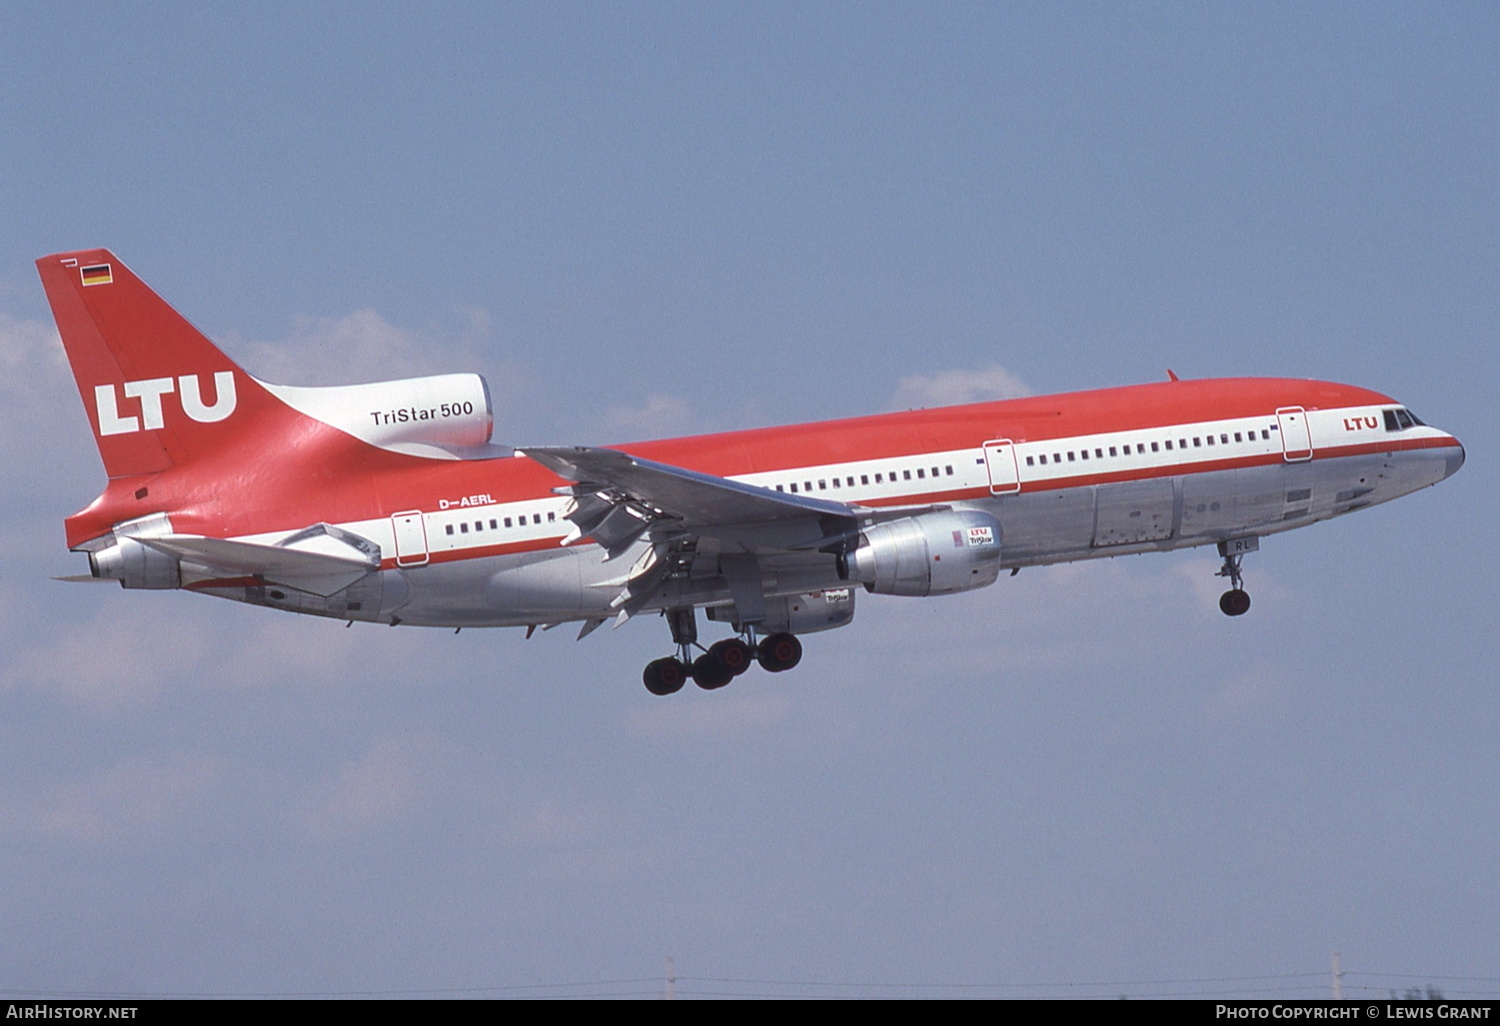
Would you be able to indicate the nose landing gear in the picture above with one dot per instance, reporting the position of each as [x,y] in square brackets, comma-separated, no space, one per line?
[1235,601]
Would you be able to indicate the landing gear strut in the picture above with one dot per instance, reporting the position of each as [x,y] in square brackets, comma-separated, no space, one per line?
[1235,601]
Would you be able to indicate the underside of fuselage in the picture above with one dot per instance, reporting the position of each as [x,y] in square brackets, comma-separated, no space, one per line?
[1038,528]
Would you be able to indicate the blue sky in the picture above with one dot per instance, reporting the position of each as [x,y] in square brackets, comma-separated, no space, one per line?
[644,220]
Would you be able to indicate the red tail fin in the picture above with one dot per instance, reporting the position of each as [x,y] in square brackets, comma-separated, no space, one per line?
[157,392]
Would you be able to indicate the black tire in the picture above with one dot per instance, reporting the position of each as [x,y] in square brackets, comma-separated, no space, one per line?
[779,652]
[665,676]
[1235,602]
[710,672]
[735,654]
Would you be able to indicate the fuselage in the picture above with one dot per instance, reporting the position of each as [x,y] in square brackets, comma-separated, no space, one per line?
[1068,477]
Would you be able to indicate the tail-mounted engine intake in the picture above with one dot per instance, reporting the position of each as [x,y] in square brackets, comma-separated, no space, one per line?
[928,554]
[447,410]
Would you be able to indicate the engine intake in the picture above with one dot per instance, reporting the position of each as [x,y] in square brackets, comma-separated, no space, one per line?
[928,554]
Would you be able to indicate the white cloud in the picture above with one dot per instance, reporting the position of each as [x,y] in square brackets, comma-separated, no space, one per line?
[955,387]
[363,346]
[120,657]
[38,400]
[359,346]
[660,416]
[29,348]
[548,823]
[138,648]
[377,789]
[117,802]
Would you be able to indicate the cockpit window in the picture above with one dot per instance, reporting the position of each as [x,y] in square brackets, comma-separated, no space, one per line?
[1400,419]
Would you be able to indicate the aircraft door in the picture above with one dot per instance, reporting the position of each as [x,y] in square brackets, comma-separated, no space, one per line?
[1000,460]
[411,538]
[1296,438]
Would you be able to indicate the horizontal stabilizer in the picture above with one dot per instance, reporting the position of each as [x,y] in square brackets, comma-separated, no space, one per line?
[320,572]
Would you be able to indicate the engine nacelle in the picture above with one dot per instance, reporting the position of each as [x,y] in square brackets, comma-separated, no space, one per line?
[928,554]
[136,566]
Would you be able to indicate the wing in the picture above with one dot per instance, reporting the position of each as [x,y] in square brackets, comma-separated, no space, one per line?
[620,499]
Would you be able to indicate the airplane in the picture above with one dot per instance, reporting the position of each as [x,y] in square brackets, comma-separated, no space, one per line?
[389,502]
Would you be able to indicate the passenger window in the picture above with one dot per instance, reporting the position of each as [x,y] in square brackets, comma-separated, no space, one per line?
[849,481]
[950,471]
[507,523]
[536,518]
[879,479]
[1098,454]
[906,475]
[1223,439]
[1237,437]
[823,486]
[1044,459]
[1084,453]
[479,525]
[835,482]
[779,488]
[463,528]
[921,473]
[864,479]
[450,528]
[1155,447]
[1169,443]
[1070,457]
[934,471]
[1112,451]
[1197,443]
[551,517]
[1210,439]
[794,486]
[1031,461]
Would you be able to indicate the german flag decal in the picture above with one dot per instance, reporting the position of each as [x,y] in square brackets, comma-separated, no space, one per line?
[99,274]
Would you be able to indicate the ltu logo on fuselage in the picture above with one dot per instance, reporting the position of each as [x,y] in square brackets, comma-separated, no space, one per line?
[150,391]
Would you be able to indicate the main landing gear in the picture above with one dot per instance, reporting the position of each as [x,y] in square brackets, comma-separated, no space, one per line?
[721,662]
[1235,601]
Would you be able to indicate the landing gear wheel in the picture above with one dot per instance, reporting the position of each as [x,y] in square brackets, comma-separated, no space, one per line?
[1235,602]
[710,672]
[665,676]
[735,654]
[779,652]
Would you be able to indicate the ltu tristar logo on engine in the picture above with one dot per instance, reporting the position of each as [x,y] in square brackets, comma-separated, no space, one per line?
[150,391]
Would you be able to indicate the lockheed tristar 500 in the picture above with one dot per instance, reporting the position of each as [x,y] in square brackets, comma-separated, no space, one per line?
[387,502]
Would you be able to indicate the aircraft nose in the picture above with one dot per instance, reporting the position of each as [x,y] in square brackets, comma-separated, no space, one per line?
[1455,459]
